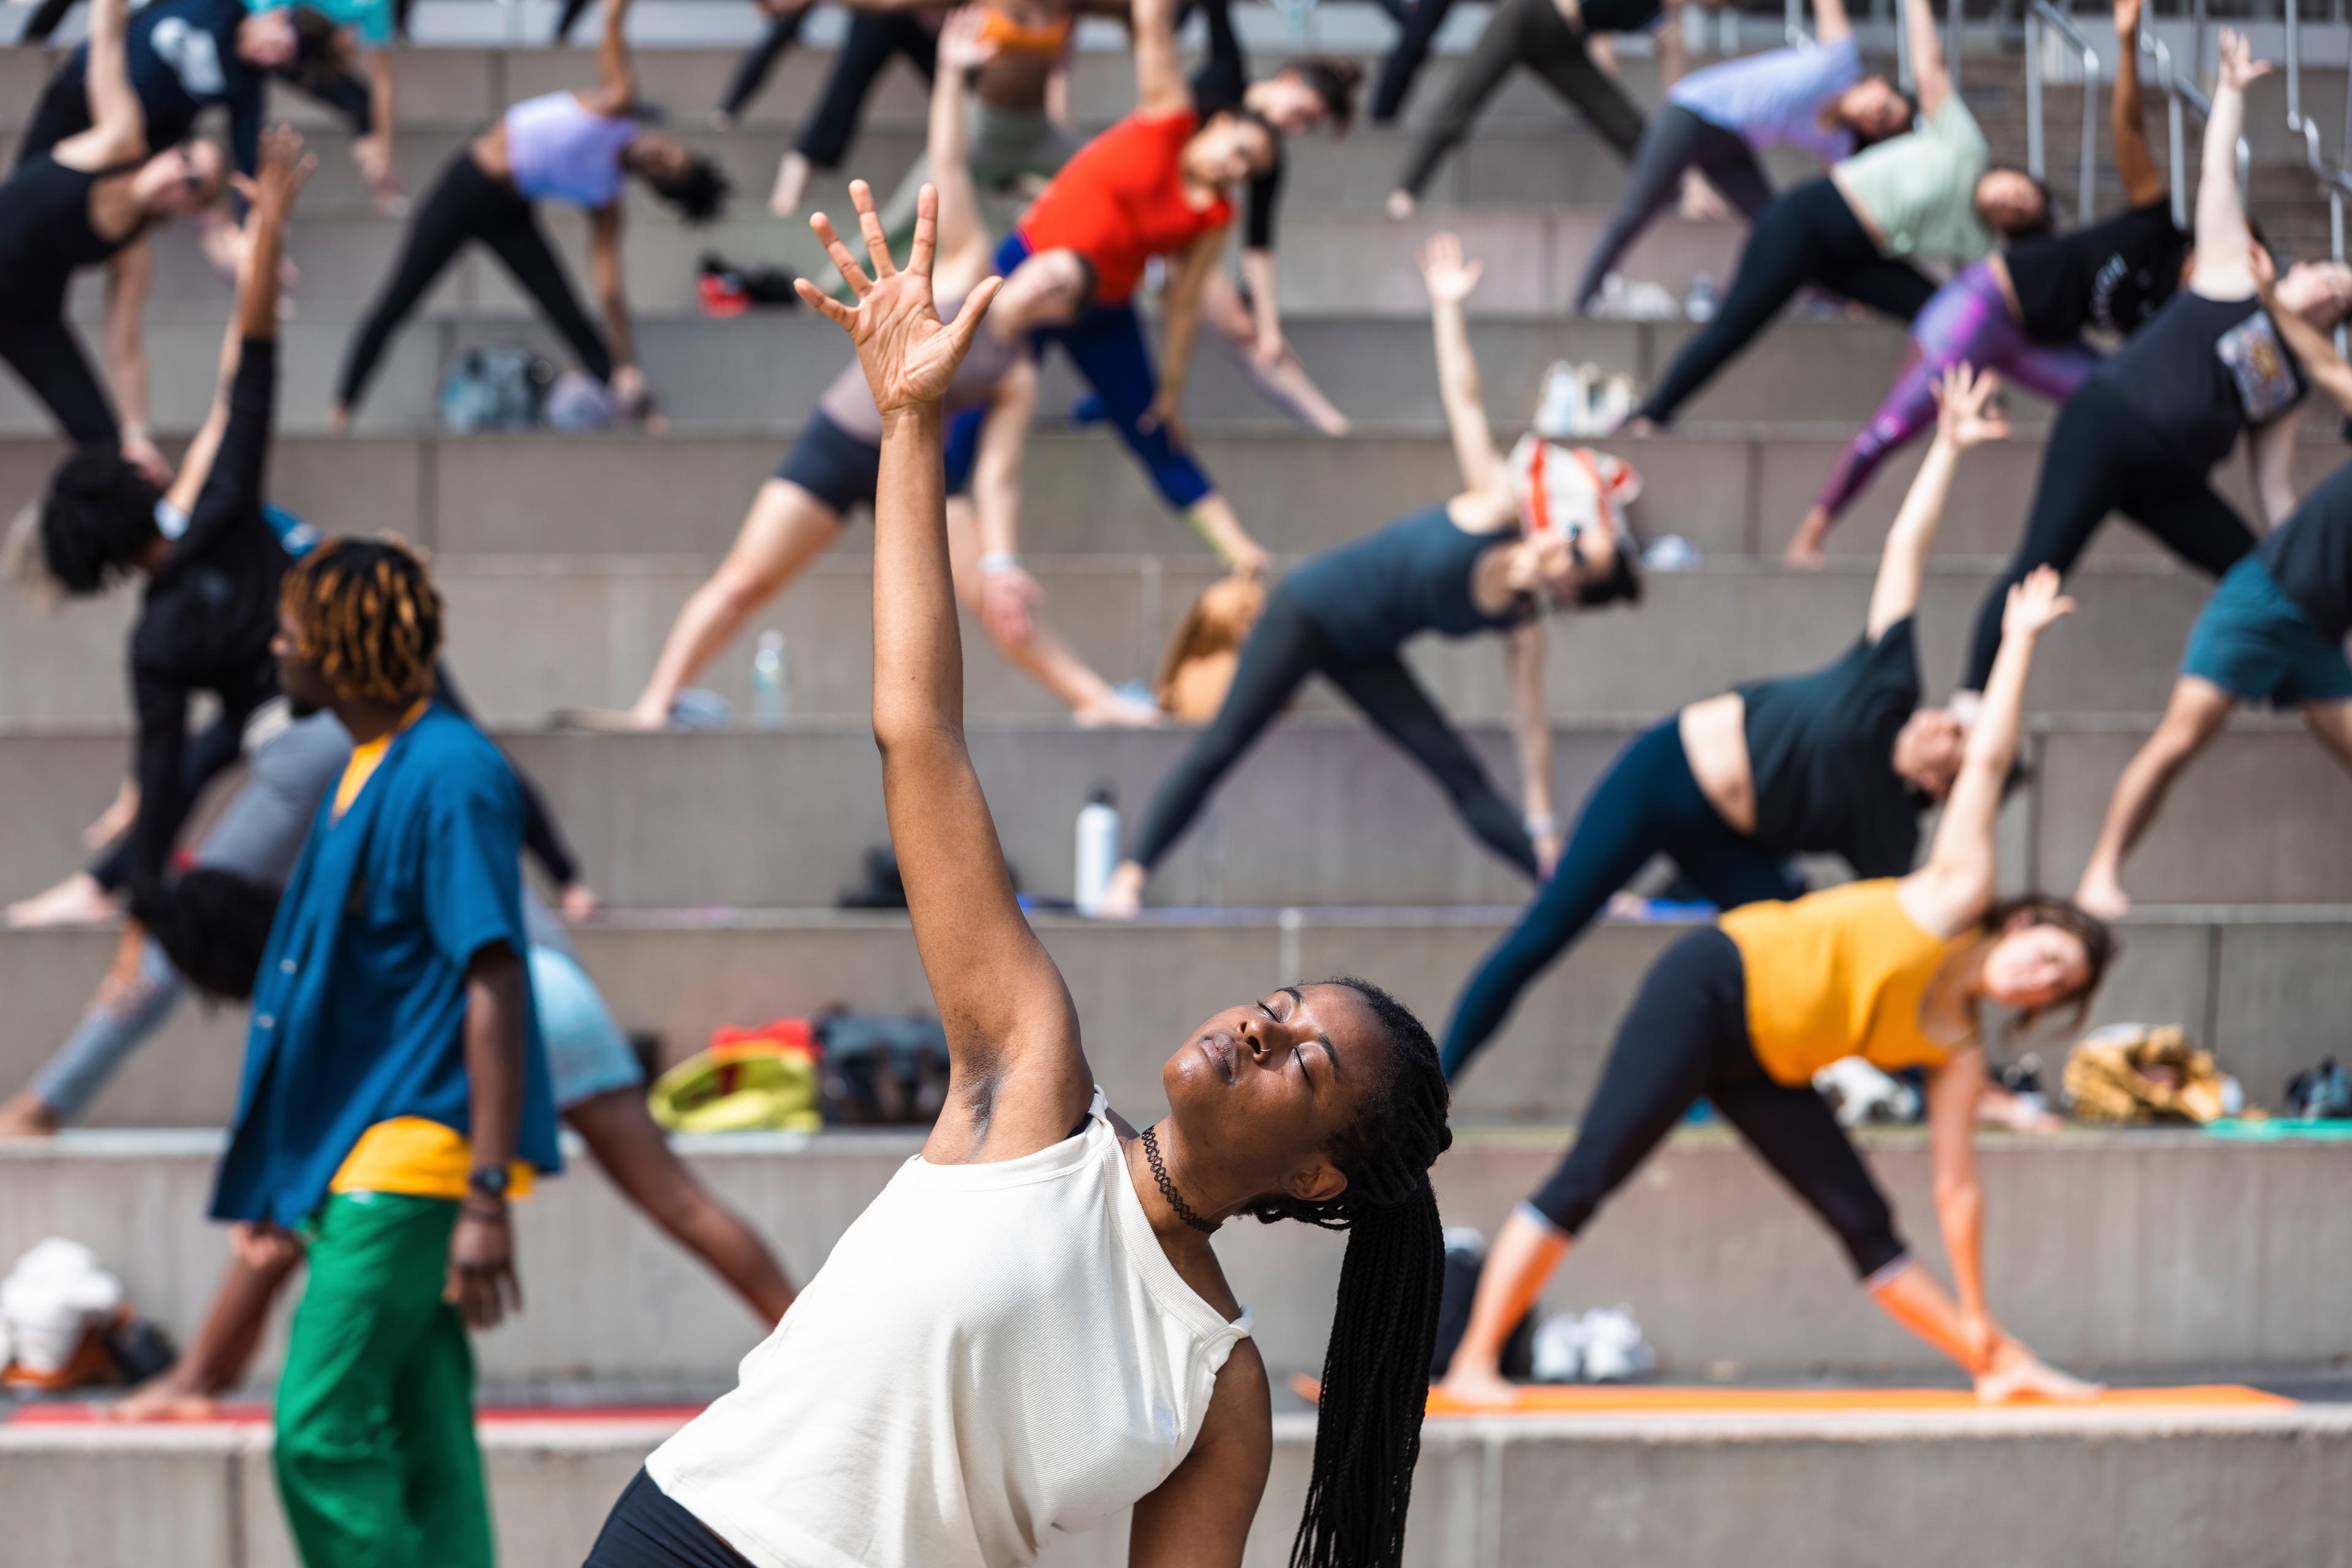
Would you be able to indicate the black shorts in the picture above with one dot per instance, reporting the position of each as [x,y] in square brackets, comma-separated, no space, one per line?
[646,1529]
[842,471]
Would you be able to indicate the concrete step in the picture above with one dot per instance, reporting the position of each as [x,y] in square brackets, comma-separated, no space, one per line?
[691,819]
[2195,1487]
[2264,989]
[533,636]
[2138,1254]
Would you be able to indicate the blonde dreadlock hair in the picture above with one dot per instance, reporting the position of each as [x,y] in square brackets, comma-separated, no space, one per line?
[366,613]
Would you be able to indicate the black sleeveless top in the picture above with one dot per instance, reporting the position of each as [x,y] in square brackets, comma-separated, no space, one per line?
[46,235]
[1821,750]
[1410,577]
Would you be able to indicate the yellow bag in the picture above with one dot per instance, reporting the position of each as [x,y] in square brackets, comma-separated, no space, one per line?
[2130,1074]
[762,1079]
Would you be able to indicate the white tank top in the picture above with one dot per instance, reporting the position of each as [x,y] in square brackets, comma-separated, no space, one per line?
[990,1349]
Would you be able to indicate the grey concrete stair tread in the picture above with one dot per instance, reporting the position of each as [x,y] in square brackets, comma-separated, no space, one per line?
[1675,1492]
[2262,986]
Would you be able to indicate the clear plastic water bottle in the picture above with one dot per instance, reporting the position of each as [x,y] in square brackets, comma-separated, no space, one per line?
[1698,305]
[1098,850]
[772,680]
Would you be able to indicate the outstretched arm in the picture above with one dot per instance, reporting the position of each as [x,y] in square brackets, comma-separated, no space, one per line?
[2313,349]
[2143,183]
[963,237]
[2224,268]
[1450,278]
[1929,76]
[130,277]
[1179,329]
[1964,417]
[1017,1078]
[616,79]
[118,125]
[1830,25]
[1531,729]
[1953,889]
[1160,84]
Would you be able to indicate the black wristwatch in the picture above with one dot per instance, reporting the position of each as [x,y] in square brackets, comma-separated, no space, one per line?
[491,1182]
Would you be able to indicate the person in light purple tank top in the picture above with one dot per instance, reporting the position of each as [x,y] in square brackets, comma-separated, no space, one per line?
[577,148]
[1717,121]
[835,467]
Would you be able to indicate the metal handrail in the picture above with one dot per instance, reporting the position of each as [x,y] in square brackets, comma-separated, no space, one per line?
[2041,13]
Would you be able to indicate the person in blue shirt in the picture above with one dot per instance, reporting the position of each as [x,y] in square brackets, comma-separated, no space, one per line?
[396,1090]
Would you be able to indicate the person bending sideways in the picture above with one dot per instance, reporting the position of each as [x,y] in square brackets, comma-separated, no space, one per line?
[1812,97]
[838,462]
[2023,312]
[80,200]
[396,1091]
[2145,431]
[1556,40]
[1744,1011]
[1492,559]
[1156,184]
[1856,231]
[1838,761]
[1087,1355]
[576,148]
[2273,633]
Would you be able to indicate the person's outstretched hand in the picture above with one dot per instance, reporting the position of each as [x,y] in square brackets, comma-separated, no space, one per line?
[1449,276]
[2128,22]
[908,354]
[1966,414]
[2035,604]
[2239,69]
[278,178]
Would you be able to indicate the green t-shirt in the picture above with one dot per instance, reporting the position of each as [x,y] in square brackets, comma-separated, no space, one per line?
[1920,191]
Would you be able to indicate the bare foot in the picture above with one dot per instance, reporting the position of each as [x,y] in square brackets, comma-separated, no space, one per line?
[1336,425]
[1480,1387]
[163,1398]
[1117,710]
[28,1116]
[792,184]
[76,901]
[115,820]
[1123,899]
[1639,426]
[339,420]
[2102,895]
[1805,550]
[1400,205]
[2018,1376]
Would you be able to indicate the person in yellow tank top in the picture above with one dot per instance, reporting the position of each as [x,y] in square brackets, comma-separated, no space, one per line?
[1746,1011]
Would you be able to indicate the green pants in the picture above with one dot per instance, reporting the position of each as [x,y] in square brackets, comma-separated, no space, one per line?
[377,1464]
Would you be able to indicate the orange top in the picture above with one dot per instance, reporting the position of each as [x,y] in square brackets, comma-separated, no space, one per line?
[1011,34]
[1121,202]
[1841,972]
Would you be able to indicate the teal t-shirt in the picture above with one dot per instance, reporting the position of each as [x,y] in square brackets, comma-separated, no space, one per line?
[1919,190]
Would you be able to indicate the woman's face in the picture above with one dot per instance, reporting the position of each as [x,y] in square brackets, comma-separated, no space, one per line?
[1227,150]
[1558,563]
[2009,202]
[1927,751]
[1263,1089]
[1293,106]
[2318,292]
[267,39]
[2033,966]
[1873,110]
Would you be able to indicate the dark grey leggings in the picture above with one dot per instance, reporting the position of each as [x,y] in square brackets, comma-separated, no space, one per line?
[1675,141]
[1284,649]
[1530,33]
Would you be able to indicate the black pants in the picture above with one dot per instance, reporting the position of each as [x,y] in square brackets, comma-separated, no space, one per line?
[1675,141]
[874,37]
[752,67]
[1530,33]
[646,1529]
[1687,1037]
[469,204]
[44,352]
[1809,236]
[1648,804]
[2103,457]
[1417,22]
[43,21]
[1282,650]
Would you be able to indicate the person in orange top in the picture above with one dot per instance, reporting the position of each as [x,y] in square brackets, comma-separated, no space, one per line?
[1156,184]
[1746,1011]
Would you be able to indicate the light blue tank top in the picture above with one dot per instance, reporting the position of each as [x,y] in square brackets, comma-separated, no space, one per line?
[561,149]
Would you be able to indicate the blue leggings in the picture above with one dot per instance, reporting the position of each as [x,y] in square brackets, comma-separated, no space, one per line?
[1107,345]
[1647,804]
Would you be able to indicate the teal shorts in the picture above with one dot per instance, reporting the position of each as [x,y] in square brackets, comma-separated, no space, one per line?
[2257,645]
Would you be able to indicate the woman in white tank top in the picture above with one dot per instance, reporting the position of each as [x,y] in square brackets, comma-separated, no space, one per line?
[1028,1329]
[577,148]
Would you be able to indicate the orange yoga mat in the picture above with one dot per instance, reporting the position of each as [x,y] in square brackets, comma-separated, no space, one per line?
[79,1413]
[1654,1399]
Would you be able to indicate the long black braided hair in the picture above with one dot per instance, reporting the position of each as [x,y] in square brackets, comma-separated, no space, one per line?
[1376,1368]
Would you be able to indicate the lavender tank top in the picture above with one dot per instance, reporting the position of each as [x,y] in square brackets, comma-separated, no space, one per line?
[561,149]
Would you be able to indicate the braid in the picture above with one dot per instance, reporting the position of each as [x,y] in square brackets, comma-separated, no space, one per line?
[1376,1369]
[369,617]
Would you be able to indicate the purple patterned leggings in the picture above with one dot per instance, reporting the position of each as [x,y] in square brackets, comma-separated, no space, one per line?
[1969,322]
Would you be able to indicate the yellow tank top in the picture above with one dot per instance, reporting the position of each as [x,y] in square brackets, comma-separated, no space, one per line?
[1837,974]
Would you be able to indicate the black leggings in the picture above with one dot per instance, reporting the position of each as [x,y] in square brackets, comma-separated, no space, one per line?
[752,69]
[1282,650]
[1676,141]
[1648,804]
[469,204]
[1417,22]
[646,1529]
[1809,236]
[874,37]
[1530,33]
[44,352]
[1687,1037]
[2101,458]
